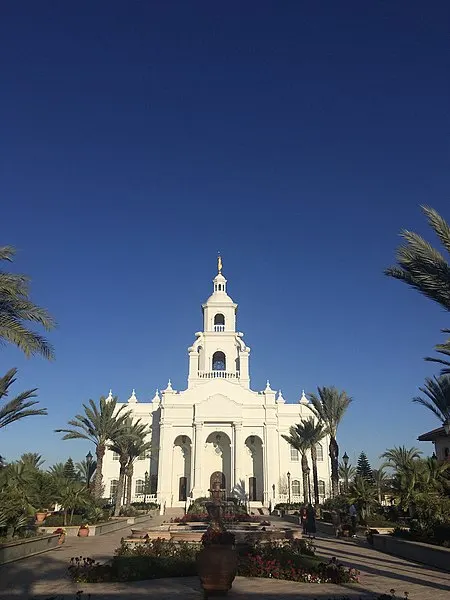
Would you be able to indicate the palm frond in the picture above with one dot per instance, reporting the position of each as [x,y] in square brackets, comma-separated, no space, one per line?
[19,407]
[437,391]
[423,267]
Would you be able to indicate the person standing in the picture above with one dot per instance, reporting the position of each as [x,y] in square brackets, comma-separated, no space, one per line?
[353,512]
[303,518]
[311,521]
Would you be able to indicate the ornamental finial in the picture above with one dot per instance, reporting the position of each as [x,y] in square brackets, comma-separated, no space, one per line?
[219,263]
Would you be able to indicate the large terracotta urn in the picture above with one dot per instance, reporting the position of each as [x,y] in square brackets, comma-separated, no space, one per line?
[83,531]
[40,517]
[217,566]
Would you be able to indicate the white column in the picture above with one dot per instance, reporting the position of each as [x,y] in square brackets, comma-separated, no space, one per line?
[198,444]
[165,466]
[232,459]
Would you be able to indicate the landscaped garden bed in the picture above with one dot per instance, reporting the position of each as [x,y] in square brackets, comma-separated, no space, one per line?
[17,549]
[295,560]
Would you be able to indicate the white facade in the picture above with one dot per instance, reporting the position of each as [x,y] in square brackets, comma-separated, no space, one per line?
[218,429]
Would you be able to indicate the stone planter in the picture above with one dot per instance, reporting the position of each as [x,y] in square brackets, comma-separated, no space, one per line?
[217,567]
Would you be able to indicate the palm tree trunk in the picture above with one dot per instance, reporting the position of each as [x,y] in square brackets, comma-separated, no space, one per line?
[315,476]
[305,478]
[98,483]
[120,486]
[334,456]
[130,482]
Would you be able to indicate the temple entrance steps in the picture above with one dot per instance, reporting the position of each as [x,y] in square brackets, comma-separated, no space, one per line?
[174,512]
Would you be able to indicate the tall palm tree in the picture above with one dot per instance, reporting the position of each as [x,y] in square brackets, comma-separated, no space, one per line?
[19,407]
[380,479]
[139,447]
[85,470]
[298,442]
[401,458]
[312,431]
[425,269]
[437,390]
[99,424]
[329,407]
[16,309]
[123,444]
[347,472]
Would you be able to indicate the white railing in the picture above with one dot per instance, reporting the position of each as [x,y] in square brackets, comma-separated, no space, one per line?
[218,375]
[219,327]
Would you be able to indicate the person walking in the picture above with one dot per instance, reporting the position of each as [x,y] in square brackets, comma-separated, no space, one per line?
[311,521]
[353,512]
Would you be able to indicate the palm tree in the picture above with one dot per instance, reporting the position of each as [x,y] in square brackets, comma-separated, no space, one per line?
[329,407]
[123,444]
[85,470]
[424,268]
[139,447]
[347,472]
[19,407]
[57,470]
[299,443]
[401,458]
[437,390]
[99,424]
[363,495]
[380,479]
[16,309]
[33,459]
[312,432]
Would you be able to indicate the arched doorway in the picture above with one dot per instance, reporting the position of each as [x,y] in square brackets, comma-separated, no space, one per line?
[254,468]
[181,470]
[217,461]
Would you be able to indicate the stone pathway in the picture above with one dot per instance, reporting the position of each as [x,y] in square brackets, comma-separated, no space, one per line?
[43,577]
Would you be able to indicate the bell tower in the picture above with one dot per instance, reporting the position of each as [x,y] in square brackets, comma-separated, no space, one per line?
[219,351]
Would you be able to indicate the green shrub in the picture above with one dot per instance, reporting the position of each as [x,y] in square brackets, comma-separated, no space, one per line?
[57,520]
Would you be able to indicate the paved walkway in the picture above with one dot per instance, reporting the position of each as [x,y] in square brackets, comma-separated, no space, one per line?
[43,577]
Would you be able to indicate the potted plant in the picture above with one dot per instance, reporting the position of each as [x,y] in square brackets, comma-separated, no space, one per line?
[62,534]
[83,531]
[217,561]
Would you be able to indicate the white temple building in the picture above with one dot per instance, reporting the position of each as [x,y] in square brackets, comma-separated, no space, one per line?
[218,429]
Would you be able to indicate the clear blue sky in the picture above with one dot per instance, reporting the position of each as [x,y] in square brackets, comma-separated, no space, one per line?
[138,138]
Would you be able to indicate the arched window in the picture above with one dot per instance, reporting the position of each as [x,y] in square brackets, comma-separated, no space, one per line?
[140,486]
[218,361]
[219,322]
[294,454]
[319,451]
[113,488]
[295,487]
[321,488]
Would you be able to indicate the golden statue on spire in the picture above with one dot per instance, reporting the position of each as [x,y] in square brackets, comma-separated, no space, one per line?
[219,264]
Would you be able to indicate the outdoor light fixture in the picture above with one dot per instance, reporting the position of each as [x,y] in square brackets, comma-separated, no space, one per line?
[345,459]
[447,426]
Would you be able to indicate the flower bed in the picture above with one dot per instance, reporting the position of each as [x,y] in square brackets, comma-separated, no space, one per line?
[295,560]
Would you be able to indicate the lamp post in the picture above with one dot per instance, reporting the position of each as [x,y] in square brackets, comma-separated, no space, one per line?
[273,490]
[88,468]
[345,459]
[289,487]
[145,486]
[308,471]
